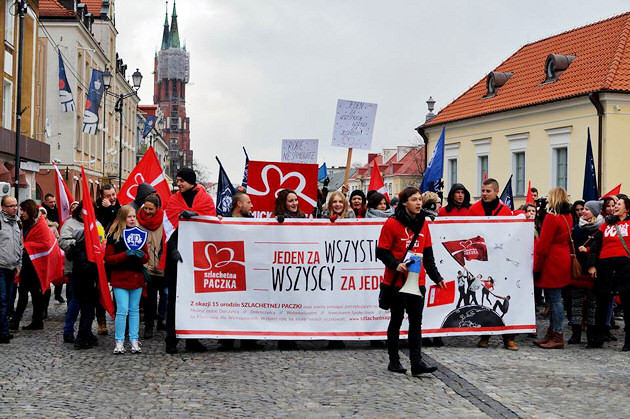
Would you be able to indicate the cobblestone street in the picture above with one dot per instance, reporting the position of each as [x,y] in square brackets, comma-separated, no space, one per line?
[42,376]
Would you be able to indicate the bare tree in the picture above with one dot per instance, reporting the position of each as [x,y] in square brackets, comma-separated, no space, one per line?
[204,174]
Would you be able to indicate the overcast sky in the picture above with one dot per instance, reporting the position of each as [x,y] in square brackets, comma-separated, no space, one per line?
[266,70]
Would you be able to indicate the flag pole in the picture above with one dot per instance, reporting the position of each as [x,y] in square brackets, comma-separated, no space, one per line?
[348,162]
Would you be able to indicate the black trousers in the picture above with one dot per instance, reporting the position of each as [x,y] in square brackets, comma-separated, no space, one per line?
[171,283]
[86,294]
[30,284]
[155,288]
[413,305]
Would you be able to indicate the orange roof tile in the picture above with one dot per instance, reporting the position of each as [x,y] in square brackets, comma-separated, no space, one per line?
[94,6]
[602,63]
[52,8]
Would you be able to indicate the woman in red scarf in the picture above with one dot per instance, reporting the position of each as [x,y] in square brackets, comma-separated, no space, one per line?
[150,218]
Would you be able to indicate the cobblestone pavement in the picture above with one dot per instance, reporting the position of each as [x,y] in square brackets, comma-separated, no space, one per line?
[42,376]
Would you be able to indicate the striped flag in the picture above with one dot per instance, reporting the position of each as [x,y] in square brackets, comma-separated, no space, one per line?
[64,198]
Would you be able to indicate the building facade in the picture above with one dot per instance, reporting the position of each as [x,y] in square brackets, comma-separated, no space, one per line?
[85,34]
[530,116]
[171,74]
[33,148]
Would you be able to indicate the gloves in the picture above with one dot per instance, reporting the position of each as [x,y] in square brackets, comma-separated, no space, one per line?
[134,253]
[79,234]
[188,214]
[326,181]
[280,218]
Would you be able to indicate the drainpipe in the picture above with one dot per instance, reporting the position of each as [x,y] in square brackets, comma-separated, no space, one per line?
[594,98]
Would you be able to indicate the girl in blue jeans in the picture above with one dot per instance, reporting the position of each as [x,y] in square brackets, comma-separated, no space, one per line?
[127,278]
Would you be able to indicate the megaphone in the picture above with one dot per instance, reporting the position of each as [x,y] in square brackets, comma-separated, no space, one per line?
[411,284]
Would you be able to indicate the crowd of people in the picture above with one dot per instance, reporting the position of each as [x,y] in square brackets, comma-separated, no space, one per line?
[581,261]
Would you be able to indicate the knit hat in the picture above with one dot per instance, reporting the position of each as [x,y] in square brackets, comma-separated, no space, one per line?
[357,192]
[595,207]
[188,175]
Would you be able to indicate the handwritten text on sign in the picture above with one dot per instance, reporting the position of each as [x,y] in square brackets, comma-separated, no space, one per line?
[299,151]
[354,124]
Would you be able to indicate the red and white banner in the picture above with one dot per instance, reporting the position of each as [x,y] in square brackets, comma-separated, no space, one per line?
[266,179]
[45,254]
[64,198]
[313,279]
[148,170]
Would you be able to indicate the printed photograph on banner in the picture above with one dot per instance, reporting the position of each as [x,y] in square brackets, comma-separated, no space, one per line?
[354,124]
[299,151]
[266,179]
[488,272]
[219,266]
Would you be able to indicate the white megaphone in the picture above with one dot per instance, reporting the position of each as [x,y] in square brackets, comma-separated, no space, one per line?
[411,284]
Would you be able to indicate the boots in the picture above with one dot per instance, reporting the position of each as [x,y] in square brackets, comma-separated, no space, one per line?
[626,345]
[545,339]
[102,326]
[556,341]
[576,337]
[594,339]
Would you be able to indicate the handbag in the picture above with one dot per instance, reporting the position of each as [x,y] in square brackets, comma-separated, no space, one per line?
[387,292]
[576,268]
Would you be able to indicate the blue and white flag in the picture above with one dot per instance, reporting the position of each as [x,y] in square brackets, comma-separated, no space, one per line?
[244,184]
[507,196]
[225,191]
[149,125]
[434,173]
[65,94]
[92,102]
[322,173]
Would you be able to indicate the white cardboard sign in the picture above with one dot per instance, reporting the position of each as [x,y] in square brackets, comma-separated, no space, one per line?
[354,124]
[299,151]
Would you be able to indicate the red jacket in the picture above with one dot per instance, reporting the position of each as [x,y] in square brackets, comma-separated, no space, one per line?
[455,212]
[125,271]
[476,210]
[552,252]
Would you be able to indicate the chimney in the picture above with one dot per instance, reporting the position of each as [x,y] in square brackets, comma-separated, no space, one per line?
[371,156]
[388,153]
[430,106]
[402,151]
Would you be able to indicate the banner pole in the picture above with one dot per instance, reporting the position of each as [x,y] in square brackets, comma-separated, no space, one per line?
[348,162]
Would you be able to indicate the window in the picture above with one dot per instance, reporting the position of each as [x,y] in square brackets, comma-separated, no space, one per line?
[560,157]
[9,20]
[482,170]
[452,172]
[174,122]
[518,160]
[7,103]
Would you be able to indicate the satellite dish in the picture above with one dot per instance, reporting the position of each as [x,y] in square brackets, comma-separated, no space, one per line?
[47,128]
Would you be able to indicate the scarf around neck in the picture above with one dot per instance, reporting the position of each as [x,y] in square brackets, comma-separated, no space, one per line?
[591,227]
[11,219]
[151,223]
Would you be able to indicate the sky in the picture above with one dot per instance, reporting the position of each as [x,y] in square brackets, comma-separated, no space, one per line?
[263,71]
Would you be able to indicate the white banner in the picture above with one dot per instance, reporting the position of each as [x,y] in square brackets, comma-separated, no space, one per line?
[313,279]
[299,151]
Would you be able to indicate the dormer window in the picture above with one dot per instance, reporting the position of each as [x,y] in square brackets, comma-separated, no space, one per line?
[555,65]
[494,81]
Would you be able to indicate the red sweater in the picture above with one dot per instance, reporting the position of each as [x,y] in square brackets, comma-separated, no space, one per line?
[611,245]
[125,271]
[455,212]
[477,210]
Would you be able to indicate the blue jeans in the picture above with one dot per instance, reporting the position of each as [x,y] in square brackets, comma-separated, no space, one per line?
[127,302]
[556,309]
[6,289]
[72,312]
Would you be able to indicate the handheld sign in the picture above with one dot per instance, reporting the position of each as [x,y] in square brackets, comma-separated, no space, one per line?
[299,151]
[135,238]
[354,124]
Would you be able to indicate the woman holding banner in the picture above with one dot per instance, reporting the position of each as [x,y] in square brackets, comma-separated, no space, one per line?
[127,277]
[403,235]
[337,207]
[287,205]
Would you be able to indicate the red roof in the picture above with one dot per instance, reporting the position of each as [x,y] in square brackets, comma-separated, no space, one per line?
[52,8]
[94,6]
[411,164]
[602,63]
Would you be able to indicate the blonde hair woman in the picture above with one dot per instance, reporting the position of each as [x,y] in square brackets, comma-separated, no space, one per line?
[127,278]
[338,206]
[552,263]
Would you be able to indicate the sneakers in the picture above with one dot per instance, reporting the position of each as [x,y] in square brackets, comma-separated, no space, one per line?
[119,348]
[135,347]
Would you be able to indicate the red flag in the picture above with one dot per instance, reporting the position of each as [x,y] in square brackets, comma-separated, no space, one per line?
[376,181]
[64,198]
[94,249]
[45,254]
[530,196]
[467,249]
[148,170]
[615,191]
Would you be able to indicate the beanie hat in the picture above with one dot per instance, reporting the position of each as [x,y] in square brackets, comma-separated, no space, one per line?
[188,175]
[595,207]
[357,192]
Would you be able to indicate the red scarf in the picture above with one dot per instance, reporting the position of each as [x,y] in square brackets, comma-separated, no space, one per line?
[202,205]
[151,223]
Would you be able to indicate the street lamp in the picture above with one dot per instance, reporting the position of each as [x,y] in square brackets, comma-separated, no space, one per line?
[136,78]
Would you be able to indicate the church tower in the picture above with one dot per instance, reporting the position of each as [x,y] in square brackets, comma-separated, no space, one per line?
[171,74]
